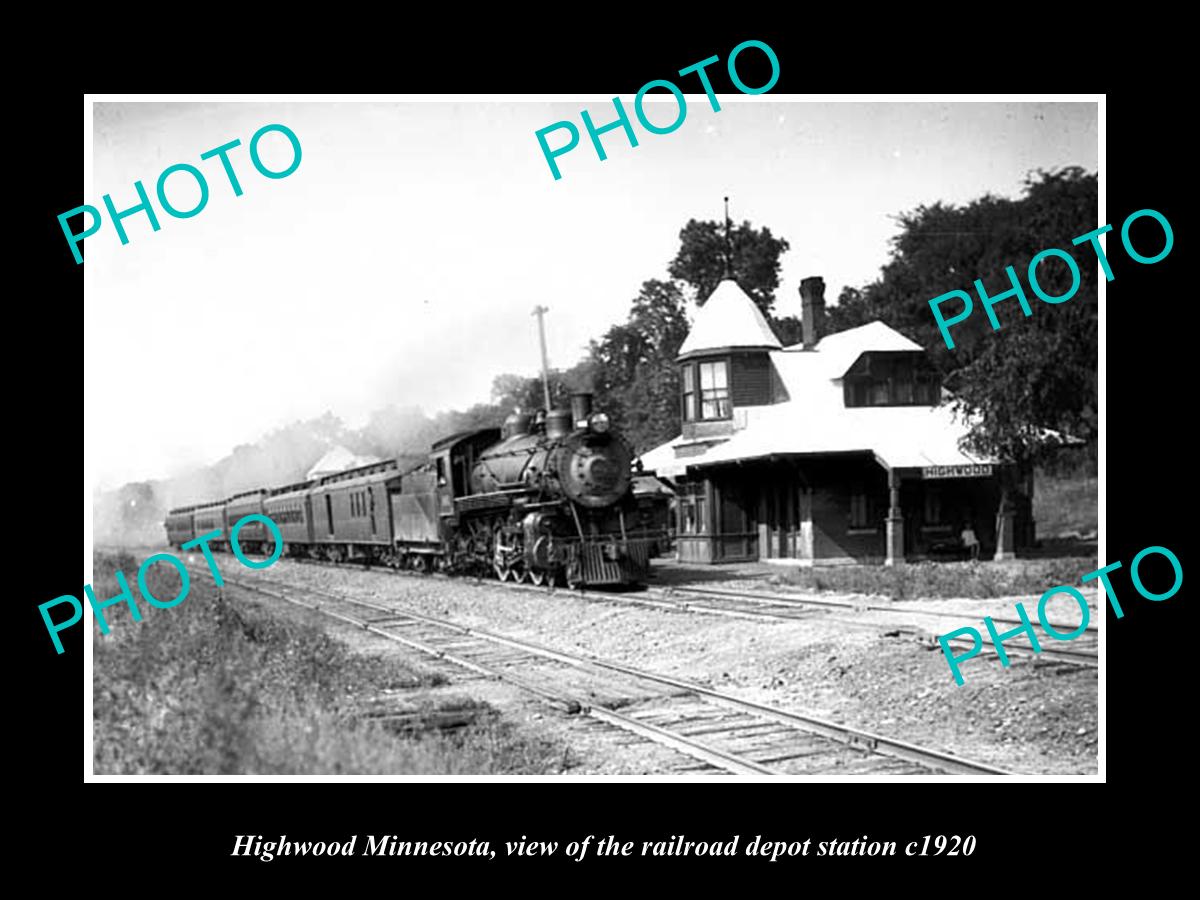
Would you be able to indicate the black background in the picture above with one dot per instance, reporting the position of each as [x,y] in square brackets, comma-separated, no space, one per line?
[187,830]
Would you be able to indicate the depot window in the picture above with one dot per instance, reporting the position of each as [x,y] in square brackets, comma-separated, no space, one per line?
[711,401]
[933,505]
[693,513]
[714,390]
[689,393]
[860,508]
[693,508]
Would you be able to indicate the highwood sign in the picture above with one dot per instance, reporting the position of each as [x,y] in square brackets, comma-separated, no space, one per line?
[968,471]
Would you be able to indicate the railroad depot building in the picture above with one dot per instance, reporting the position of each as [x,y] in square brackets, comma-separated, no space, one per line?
[834,450]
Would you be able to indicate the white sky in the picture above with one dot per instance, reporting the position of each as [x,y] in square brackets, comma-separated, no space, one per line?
[401,261]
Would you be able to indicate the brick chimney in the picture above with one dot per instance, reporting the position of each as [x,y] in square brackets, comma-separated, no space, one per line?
[812,309]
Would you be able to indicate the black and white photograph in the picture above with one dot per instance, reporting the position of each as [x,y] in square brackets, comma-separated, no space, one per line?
[531,438]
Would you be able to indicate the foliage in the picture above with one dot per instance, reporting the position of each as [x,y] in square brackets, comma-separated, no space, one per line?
[219,687]
[526,393]
[634,366]
[789,329]
[700,262]
[1065,502]
[1032,377]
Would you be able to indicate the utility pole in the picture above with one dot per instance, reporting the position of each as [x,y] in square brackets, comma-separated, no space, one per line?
[540,312]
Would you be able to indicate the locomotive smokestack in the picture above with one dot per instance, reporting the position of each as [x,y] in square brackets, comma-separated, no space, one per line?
[581,408]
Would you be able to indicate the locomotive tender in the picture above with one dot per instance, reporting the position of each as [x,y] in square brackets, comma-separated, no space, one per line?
[543,499]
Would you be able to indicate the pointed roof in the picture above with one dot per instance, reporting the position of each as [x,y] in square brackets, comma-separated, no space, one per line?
[729,320]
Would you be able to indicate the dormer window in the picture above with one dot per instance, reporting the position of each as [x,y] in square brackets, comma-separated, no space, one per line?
[882,378]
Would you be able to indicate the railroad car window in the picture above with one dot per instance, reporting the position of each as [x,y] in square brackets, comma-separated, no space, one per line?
[689,393]
[329,510]
[714,390]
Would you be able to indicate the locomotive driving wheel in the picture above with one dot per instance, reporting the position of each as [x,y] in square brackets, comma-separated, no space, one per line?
[537,577]
[503,571]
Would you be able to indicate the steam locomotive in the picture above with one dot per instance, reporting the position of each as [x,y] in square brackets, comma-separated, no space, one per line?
[546,498]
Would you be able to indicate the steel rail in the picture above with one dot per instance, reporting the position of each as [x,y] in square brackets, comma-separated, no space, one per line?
[854,737]
[696,749]
[1060,654]
[1063,655]
[783,600]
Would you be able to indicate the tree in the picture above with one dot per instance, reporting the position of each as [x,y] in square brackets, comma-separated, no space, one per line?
[789,329]
[700,262]
[511,392]
[1026,385]
[633,366]
[524,392]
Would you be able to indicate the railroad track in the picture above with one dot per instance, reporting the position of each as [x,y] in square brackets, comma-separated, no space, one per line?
[763,605]
[718,730]
[768,606]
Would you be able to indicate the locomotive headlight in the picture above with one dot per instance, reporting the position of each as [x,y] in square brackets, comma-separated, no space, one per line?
[598,423]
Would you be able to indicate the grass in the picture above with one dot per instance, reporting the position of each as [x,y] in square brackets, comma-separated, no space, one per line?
[217,686]
[943,579]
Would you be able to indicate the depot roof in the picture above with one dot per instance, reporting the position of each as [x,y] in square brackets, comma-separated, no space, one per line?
[815,420]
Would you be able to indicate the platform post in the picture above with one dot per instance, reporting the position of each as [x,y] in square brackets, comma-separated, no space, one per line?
[895,522]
